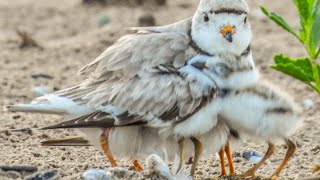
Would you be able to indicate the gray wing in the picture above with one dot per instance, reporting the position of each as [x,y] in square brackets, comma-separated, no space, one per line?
[158,96]
[130,55]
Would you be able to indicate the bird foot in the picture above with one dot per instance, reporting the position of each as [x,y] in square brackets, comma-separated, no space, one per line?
[274,177]
[137,166]
[249,173]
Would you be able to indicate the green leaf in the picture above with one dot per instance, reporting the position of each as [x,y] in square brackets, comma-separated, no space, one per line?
[300,68]
[316,7]
[279,20]
[305,8]
[315,34]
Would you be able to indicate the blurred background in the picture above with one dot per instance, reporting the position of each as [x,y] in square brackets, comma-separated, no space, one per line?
[44,43]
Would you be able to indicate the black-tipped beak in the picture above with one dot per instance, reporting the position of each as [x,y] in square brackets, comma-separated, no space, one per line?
[229,37]
[227,32]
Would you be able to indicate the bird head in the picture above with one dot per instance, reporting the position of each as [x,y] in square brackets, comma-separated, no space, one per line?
[227,70]
[221,26]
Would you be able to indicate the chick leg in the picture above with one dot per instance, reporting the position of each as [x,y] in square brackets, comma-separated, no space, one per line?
[197,154]
[181,150]
[230,161]
[104,143]
[222,165]
[251,172]
[291,149]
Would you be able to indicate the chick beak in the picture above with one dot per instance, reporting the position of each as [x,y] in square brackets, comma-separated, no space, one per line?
[227,32]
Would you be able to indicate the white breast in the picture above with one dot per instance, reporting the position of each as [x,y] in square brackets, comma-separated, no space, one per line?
[201,122]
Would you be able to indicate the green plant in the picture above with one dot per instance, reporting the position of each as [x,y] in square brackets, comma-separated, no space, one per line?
[306,69]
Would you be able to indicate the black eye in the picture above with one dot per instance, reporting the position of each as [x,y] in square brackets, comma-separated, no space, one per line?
[245,19]
[206,18]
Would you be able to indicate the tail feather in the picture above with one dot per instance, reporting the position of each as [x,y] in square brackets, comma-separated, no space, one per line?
[35,108]
[52,104]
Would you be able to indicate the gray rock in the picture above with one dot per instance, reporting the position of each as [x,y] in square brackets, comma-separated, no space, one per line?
[45,175]
[147,20]
[251,156]
[40,91]
[94,174]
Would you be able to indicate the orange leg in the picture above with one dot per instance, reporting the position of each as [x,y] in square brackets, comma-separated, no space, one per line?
[222,165]
[104,143]
[291,149]
[137,166]
[230,161]
[251,172]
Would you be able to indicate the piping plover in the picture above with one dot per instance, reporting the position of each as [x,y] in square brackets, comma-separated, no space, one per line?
[179,103]
[218,26]
[264,112]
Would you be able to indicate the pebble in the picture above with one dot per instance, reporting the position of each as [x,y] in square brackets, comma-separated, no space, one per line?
[94,174]
[147,20]
[41,75]
[40,91]
[16,117]
[251,156]
[161,2]
[103,21]
[19,168]
[45,175]
[308,103]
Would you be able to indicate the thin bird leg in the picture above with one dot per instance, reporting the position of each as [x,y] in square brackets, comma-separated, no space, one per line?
[291,150]
[251,172]
[197,153]
[104,143]
[182,153]
[137,166]
[222,165]
[230,161]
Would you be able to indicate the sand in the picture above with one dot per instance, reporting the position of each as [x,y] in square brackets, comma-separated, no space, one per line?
[70,35]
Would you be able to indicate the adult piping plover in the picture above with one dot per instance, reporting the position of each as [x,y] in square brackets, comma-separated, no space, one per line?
[218,26]
[179,103]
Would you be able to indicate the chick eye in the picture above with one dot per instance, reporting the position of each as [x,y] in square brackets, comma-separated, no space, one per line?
[245,19]
[206,18]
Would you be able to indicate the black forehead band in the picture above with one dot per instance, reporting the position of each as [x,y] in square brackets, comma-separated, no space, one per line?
[229,11]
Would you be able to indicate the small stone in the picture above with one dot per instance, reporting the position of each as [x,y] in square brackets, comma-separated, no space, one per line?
[251,156]
[16,117]
[316,168]
[103,21]
[199,173]
[161,2]
[23,130]
[40,91]
[19,168]
[94,174]
[308,103]
[41,75]
[147,20]
[45,175]
[36,154]
[93,1]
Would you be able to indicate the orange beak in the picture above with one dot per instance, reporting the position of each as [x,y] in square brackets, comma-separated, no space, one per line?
[227,32]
